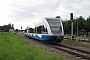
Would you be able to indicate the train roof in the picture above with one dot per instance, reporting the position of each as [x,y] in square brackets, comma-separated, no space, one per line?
[51,18]
[41,22]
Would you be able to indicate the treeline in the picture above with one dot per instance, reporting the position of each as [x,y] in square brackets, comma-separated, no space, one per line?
[79,24]
[6,28]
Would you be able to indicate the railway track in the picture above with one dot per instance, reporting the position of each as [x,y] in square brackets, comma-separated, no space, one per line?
[74,51]
[71,50]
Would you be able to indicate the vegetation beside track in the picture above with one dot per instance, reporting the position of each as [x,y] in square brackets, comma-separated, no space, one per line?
[76,44]
[14,48]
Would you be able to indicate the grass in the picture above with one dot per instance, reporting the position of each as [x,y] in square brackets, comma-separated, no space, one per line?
[14,48]
[76,43]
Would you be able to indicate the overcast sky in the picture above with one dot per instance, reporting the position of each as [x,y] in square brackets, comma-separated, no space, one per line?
[25,12]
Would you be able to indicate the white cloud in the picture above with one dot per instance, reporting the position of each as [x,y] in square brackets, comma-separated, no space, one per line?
[26,12]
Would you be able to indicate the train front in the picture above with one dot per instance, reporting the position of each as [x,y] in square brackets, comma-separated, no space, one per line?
[56,29]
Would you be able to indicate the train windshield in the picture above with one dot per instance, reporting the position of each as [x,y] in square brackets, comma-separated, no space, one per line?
[55,25]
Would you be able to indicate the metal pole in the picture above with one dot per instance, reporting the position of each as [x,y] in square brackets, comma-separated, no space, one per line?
[72,30]
[77,27]
[34,27]
[27,29]
[36,30]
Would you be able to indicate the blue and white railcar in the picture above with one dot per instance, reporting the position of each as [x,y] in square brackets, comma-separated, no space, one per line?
[49,30]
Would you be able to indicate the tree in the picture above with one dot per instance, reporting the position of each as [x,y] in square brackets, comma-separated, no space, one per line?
[6,28]
[58,17]
[67,26]
[87,25]
[82,24]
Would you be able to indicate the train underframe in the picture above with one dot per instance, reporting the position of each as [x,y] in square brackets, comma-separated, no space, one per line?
[55,40]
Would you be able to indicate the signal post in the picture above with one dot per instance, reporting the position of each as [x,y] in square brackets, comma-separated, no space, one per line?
[71,18]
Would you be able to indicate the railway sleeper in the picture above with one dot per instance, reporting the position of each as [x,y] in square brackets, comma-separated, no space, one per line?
[83,51]
[74,53]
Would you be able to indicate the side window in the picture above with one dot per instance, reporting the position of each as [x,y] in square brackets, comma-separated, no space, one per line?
[44,30]
[39,31]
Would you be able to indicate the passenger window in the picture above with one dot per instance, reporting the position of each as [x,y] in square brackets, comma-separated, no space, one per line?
[44,30]
[41,30]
